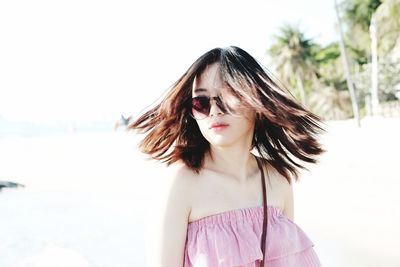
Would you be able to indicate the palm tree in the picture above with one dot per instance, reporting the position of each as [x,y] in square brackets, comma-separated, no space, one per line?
[387,16]
[292,54]
[357,16]
[332,99]
[358,13]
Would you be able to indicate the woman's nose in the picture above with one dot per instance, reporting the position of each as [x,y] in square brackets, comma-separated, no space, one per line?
[215,107]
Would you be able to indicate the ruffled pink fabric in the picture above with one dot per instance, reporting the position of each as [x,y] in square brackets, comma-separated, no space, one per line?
[233,238]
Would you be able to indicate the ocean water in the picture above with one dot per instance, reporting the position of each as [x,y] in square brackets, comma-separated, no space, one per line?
[83,203]
[84,229]
[21,128]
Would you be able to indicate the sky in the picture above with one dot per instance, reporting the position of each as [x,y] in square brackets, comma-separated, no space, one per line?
[85,60]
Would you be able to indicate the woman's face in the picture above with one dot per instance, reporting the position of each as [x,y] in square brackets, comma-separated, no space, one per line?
[222,128]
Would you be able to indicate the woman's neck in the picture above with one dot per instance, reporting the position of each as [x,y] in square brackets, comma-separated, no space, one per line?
[240,164]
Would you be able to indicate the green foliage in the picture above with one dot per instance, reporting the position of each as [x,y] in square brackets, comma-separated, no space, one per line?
[327,55]
[291,45]
[389,79]
[358,13]
[293,56]
[359,56]
[330,98]
[388,25]
[317,72]
[357,16]
[330,70]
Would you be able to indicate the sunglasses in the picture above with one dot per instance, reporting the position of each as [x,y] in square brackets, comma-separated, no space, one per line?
[201,106]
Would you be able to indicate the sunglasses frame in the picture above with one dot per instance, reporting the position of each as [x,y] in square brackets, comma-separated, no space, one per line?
[218,102]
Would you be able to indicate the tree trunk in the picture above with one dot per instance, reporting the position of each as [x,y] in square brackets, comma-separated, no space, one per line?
[350,85]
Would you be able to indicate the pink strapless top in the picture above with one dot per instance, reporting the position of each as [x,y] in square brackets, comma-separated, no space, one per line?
[233,238]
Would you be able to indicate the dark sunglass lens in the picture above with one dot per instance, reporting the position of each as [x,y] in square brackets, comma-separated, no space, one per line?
[201,104]
[200,107]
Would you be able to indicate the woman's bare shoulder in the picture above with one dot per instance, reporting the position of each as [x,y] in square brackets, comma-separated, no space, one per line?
[285,190]
[180,172]
[274,178]
[179,182]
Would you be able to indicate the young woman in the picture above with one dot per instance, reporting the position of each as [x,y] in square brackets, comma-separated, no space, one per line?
[234,140]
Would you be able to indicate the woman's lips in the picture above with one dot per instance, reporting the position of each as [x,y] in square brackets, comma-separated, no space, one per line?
[219,126]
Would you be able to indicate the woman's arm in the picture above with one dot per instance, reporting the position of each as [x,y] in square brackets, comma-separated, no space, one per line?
[166,248]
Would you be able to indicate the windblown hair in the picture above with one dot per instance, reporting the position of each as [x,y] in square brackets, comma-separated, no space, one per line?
[285,132]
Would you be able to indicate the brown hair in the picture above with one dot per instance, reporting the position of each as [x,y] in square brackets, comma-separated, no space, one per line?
[284,130]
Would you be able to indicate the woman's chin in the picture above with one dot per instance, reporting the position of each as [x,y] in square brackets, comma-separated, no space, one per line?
[221,141]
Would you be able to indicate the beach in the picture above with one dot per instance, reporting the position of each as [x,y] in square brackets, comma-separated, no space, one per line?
[87,197]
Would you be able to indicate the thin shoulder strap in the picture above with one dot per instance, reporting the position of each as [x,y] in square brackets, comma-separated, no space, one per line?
[265,205]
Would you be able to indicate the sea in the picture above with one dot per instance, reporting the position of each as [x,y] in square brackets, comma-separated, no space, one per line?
[82,199]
